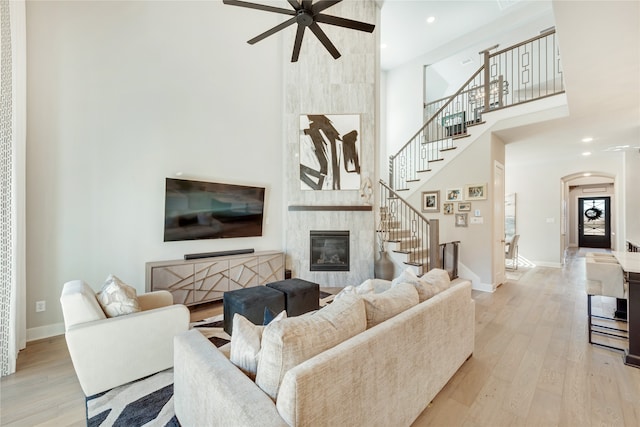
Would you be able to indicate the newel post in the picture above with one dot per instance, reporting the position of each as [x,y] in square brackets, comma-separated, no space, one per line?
[487,81]
[434,244]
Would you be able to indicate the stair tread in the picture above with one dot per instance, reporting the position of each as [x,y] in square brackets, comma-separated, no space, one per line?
[423,170]
[448,149]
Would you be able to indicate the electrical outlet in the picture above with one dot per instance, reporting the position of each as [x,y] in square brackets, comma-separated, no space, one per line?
[41,306]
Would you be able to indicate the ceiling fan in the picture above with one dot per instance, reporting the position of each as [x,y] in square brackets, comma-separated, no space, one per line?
[305,14]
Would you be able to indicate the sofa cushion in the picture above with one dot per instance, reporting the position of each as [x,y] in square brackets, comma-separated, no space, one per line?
[437,278]
[291,341]
[385,305]
[117,298]
[79,304]
[428,285]
[246,343]
[369,286]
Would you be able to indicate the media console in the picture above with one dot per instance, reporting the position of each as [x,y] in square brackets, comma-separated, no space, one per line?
[200,280]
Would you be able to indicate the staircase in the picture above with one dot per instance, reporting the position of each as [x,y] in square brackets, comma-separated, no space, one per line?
[525,72]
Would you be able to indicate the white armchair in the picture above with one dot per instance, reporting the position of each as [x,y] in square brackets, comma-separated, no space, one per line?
[108,352]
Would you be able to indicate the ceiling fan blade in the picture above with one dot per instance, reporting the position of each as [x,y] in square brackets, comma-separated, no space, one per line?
[298,43]
[259,7]
[315,28]
[294,4]
[346,23]
[324,4]
[306,4]
[274,30]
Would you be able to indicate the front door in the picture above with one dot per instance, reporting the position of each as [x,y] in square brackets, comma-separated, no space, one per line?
[594,222]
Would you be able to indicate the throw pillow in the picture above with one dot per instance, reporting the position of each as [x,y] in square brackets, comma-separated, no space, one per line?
[425,290]
[246,343]
[383,306]
[364,288]
[117,298]
[437,278]
[288,343]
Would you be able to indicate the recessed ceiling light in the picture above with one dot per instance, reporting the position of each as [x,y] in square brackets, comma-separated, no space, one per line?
[587,139]
[431,20]
[586,153]
[383,46]
[466,61]
[586,174]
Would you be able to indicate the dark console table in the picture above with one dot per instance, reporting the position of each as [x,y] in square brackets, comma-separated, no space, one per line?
[630,262]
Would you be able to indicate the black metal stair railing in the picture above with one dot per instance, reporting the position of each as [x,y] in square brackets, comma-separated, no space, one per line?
[412,233]
[527,71]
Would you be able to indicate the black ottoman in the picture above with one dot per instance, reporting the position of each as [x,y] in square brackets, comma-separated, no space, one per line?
[300,296]
[250,302]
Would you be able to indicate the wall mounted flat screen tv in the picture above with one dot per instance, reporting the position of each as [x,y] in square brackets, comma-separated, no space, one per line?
[210,210]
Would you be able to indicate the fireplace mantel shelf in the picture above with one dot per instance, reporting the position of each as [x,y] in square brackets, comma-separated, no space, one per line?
[330,208]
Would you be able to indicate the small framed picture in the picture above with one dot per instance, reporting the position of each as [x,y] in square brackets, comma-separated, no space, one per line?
[431,201]
[461,219]
[454,195]
[447,208]
[464,207]
[475,192]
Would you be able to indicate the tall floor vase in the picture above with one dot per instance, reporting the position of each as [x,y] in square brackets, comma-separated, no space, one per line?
[383,266]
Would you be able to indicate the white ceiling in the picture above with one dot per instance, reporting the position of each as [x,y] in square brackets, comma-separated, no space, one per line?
[600,51]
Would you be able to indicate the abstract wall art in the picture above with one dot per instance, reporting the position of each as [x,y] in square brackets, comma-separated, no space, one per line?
[330,152]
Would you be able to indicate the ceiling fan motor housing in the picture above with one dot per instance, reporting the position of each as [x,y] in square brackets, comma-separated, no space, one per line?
[304,17]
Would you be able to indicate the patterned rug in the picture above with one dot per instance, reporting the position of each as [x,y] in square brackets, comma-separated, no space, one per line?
[149,401]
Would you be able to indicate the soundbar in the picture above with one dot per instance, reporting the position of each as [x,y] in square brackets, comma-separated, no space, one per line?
[220,253]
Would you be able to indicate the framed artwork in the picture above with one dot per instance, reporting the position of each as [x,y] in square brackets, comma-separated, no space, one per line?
[461,219]
[330,152]
[464,207]
[431,201]
[475,192]
[454,195]
[447,208]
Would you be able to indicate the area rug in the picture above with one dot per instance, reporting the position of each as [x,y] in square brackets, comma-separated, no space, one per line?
[149,401]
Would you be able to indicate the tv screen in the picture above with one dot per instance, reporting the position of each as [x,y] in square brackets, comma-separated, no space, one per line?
[210,210]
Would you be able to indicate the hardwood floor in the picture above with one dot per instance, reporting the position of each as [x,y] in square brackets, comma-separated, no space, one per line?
[532,366]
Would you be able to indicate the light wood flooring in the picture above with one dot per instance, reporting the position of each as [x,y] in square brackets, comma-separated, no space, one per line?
[532,366]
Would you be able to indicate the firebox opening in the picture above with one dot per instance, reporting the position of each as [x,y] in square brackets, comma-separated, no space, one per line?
[329,250]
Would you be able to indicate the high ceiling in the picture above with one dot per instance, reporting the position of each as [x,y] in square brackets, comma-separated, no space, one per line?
[600,50]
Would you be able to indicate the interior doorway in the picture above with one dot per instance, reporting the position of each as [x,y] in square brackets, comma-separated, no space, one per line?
[594,222]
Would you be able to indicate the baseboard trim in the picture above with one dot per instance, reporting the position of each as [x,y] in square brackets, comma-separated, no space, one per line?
[547,264]
[484,287]
[47,331]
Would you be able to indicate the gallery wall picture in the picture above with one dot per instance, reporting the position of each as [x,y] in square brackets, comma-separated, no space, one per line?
[431,201]
[454,195]
[447,208]
[475,192]
[330,152]
[461,219]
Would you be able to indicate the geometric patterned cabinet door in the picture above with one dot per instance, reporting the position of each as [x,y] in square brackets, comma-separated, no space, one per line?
[207,279]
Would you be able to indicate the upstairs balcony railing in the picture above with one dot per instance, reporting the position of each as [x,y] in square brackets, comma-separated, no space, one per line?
[521,73]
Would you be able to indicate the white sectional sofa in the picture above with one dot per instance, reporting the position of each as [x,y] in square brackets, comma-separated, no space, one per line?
[383,376]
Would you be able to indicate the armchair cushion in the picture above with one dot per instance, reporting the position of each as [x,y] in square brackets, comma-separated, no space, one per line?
[117,298]
[79,304]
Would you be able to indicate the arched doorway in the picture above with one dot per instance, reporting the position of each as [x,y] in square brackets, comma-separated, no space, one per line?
[588,206]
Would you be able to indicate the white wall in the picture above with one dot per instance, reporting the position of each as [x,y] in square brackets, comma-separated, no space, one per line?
[632,195]
[538,186]
[122,95]
[476,159]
